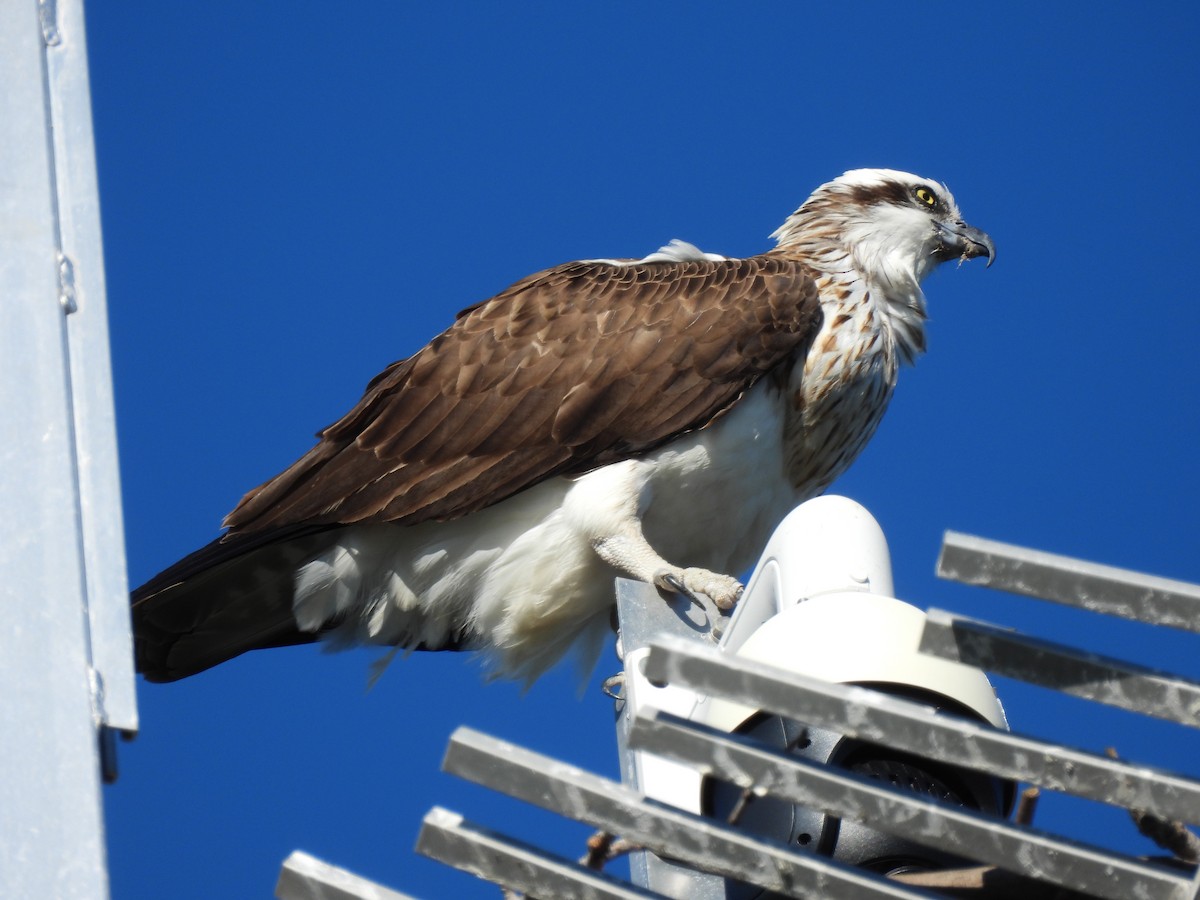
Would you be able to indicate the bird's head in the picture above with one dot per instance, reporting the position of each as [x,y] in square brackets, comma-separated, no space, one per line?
[892,225]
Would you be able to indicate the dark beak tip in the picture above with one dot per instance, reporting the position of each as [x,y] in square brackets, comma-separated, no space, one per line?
[982,243]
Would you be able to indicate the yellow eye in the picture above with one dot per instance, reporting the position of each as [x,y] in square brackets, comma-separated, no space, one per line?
[927,197]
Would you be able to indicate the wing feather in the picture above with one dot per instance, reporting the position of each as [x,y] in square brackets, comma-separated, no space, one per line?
[571,368]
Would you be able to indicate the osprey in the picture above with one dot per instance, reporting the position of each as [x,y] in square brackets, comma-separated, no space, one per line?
[651,418]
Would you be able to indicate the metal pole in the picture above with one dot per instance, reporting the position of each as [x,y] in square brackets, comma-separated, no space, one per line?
[65,661]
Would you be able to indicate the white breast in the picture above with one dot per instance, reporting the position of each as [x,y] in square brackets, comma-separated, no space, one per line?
[716,495]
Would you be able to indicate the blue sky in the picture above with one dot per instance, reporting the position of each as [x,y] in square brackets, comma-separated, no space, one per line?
[296,194]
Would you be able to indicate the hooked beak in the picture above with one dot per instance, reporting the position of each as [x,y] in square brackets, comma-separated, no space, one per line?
[958,239]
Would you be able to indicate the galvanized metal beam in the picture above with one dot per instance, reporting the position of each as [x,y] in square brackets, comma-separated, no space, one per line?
[743,762]
[65,660]
[873,716]
[1077,672]
[698,842]
[304,877]
[448,838]
[83,298]
[1074,582]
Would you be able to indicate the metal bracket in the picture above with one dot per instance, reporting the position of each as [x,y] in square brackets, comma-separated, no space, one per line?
[48,17]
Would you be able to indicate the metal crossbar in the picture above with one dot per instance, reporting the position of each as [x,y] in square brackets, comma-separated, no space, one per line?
[447,837]
[304,877]
[1080,673]
[904,725]
[701,843]
[1073,582]
[966,833]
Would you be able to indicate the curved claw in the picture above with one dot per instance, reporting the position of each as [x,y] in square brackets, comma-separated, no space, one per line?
[614,686]
[668,581]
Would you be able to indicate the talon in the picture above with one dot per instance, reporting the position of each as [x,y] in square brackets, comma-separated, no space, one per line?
[669,581]
[614,686]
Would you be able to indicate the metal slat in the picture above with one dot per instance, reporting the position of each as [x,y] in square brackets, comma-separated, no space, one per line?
[1074,582]
[701,843]
[1106,680]
[1033,853]
[304,877]
[869,715]
[448,838]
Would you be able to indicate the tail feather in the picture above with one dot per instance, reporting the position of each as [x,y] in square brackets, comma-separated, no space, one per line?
[228,597]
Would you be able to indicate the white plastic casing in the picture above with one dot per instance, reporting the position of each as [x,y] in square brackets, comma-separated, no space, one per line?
[819,603]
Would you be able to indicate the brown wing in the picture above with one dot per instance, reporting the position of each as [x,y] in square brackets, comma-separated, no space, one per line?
[571,368]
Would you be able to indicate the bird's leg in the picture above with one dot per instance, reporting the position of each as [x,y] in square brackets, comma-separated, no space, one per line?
[607,505]
[629,552]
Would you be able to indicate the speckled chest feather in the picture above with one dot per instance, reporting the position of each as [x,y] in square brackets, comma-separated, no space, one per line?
[838,394]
